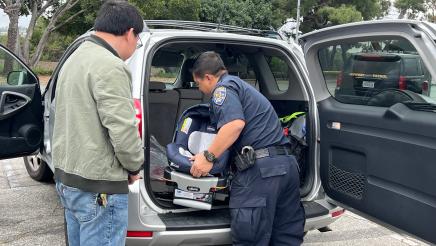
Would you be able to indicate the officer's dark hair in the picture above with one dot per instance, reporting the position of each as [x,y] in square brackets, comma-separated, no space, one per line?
[208,62]
[117,17]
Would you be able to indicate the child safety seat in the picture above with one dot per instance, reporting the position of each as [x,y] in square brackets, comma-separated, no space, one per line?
[193,135]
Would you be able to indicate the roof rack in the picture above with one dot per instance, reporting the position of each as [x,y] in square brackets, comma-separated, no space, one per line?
[208,26]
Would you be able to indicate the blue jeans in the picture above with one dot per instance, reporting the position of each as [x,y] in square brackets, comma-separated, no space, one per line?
[88,223]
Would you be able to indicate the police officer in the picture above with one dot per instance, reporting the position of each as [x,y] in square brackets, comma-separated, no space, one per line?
[265,205]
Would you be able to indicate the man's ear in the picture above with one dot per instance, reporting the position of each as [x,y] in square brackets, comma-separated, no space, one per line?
[208,77]
[129,34]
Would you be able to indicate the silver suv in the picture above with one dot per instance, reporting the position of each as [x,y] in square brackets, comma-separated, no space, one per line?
[376,161]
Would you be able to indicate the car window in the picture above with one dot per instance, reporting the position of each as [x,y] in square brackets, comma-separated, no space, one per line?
[280,70]
[12,72]
[239,65]
[164,74]
[375,72]
[166,67]
[411,67]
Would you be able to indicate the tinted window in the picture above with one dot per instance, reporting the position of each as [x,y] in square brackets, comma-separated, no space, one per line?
[12,72]
[368,72]
[280,70]
[166,67]
[240,66]
[411,67]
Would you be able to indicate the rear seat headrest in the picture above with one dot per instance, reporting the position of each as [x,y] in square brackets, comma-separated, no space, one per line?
[156,86]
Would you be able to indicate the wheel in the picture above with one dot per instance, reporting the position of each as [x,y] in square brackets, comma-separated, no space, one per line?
[38,169]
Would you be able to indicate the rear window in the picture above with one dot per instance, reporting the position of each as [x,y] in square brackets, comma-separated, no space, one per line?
[370,72]
[376,64]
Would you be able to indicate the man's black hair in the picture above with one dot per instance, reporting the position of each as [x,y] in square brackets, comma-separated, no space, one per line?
[117,17]
[209,62]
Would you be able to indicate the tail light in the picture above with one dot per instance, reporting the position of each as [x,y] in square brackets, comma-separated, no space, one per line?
[338,213]
[424,86]
[138,109]
[139,234]
[340,79]
[402,85]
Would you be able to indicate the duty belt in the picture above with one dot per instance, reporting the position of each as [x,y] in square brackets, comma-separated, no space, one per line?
[272,151]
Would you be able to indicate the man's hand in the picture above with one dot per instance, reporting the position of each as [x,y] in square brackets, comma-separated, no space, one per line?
[200,166]
[133,178]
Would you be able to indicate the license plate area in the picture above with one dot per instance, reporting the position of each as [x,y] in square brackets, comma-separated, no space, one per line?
[368,84]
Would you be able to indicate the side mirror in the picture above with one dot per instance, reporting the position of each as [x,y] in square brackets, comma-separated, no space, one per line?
[16,77]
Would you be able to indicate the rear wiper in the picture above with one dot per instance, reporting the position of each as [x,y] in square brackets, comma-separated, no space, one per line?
[429,107]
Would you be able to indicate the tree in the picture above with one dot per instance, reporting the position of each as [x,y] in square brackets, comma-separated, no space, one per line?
[169,9]
[13,10]
[431,6]
[52,10]
[343,14]
[319,13]
[410,8]
[249,13]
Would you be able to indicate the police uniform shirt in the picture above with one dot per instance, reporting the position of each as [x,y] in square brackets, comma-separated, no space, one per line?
[234,99]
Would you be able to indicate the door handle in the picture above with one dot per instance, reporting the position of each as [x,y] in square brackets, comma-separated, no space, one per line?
[11,102]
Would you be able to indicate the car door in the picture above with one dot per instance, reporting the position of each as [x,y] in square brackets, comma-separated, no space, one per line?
[377,151]
[21,127]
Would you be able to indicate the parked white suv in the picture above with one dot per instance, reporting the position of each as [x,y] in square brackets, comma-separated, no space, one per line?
[374,160]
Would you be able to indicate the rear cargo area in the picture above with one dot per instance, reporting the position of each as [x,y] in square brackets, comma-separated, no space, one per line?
[172,91]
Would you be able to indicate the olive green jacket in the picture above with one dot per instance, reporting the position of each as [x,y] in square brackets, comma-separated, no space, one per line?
[95,140]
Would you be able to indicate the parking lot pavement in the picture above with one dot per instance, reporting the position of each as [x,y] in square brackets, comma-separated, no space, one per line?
[354,230]
[30,214]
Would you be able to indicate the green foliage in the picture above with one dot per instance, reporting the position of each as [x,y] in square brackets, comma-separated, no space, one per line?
[40,70]
[248,13]
[319,13]
[414,6]
[261,14]
[169,9]
[3,39]
[82,22]
[343,14]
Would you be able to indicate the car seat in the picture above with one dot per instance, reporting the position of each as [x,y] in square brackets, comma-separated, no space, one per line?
[193,135]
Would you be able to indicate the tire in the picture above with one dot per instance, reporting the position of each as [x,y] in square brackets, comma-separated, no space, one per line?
[38,169]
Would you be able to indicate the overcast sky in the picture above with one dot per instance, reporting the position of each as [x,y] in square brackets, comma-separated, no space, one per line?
[4,20]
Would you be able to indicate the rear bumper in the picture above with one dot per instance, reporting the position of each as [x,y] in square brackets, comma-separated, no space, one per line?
[217,236]
[193,237]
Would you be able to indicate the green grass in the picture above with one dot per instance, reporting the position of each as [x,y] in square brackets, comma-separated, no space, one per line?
[44,71]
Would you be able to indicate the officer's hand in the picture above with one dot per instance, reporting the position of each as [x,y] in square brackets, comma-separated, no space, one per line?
[200,166]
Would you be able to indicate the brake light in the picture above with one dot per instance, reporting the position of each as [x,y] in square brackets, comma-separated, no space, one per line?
[339,78]
[139,234]
[338,213]
[402,85]
[138,111]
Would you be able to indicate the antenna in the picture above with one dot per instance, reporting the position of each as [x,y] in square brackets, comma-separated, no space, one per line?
[220,19]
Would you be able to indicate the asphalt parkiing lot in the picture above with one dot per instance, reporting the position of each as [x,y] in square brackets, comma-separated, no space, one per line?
[31,214]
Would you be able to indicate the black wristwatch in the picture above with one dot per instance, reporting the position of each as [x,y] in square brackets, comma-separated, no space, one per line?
[210,157]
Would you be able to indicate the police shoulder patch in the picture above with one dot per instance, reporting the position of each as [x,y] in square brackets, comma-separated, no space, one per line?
[219,95]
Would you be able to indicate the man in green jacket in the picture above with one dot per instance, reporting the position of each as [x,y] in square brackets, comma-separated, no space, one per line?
[97,150]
